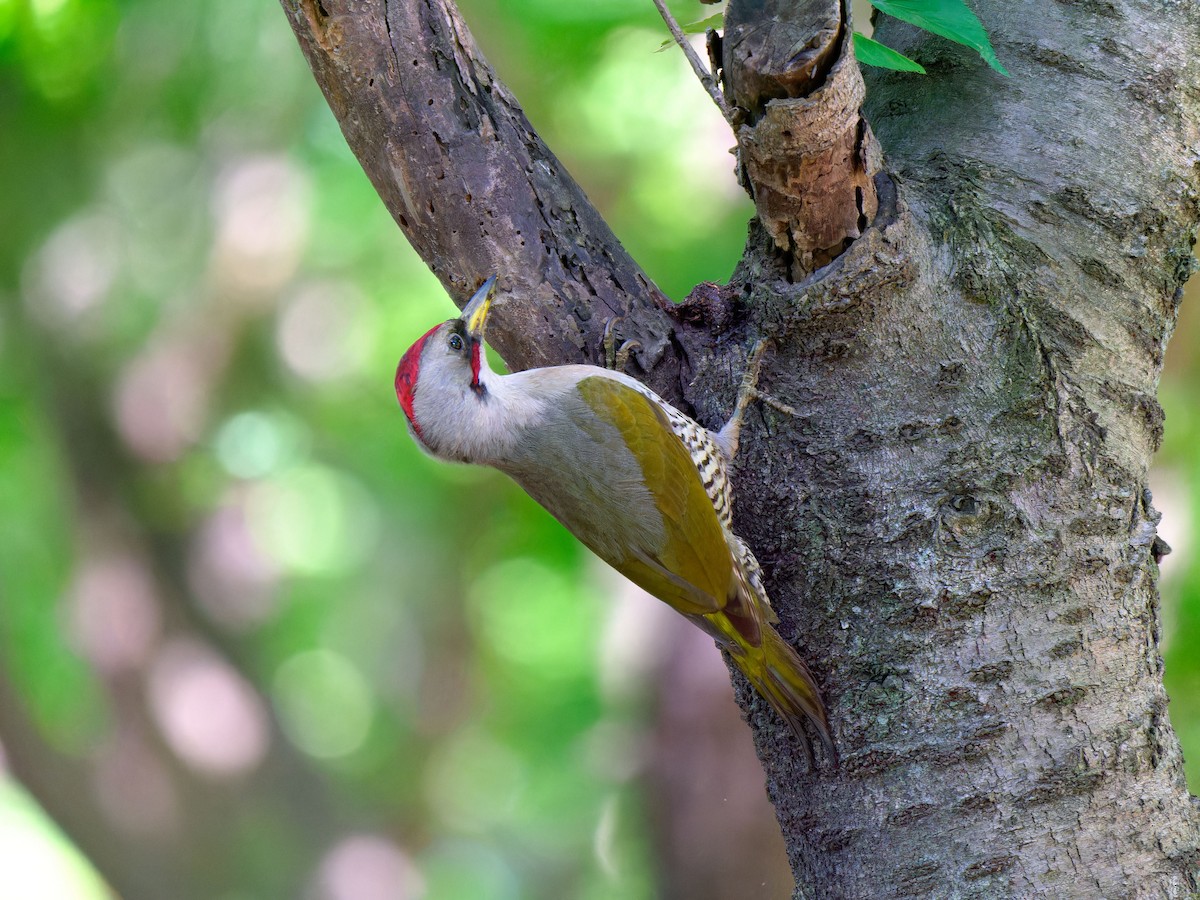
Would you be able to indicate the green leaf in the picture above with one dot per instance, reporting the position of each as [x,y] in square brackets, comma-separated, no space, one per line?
[873,53]
[702,25]
[699,27]
[952,19]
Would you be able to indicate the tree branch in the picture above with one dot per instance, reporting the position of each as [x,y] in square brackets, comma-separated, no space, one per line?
[474,188]
[693,58]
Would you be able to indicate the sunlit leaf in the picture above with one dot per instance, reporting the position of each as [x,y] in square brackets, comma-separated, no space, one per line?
[37,858]
[873,53]
[952,19]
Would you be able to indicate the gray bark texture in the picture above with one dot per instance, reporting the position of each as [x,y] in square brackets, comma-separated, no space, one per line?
[954,525]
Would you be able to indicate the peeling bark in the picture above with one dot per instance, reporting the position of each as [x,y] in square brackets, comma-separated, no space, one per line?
[806,154]
[954,526]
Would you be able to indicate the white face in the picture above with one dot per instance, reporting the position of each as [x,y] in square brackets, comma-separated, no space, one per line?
[439,386]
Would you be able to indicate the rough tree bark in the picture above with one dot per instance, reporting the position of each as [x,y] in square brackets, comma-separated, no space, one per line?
[955,524]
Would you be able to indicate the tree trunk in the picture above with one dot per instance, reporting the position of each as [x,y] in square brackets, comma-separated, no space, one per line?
[955,524]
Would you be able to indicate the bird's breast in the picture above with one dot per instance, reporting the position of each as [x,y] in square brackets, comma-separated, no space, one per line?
[580,470]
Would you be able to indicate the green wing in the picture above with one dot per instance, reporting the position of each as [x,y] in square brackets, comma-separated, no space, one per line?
[693,570]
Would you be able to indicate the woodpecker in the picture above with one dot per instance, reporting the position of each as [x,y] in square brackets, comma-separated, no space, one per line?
[641,484]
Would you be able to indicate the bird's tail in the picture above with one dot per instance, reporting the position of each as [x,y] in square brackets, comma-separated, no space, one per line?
[774,669]
[780,675]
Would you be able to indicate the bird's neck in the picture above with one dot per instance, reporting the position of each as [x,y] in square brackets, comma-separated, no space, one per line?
[507,405]
[480,424]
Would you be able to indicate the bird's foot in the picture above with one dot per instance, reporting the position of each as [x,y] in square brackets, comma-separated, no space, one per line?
[617,351]
[747,394]
[777,405]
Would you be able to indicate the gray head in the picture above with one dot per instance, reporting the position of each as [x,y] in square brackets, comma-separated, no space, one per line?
[442,381]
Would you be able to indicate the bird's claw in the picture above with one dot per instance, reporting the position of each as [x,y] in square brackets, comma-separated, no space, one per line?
[749,391]
[777,405]
[747,394]
[616,356]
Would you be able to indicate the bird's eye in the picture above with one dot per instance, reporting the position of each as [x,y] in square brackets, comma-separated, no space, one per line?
[455,342]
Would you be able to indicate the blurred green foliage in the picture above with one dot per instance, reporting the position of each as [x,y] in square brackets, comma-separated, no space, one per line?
[1176,480]
[206,484]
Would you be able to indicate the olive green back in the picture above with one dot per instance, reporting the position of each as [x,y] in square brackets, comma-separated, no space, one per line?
[693,571]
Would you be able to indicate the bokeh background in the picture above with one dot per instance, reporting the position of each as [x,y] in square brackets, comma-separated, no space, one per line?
[252,643]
